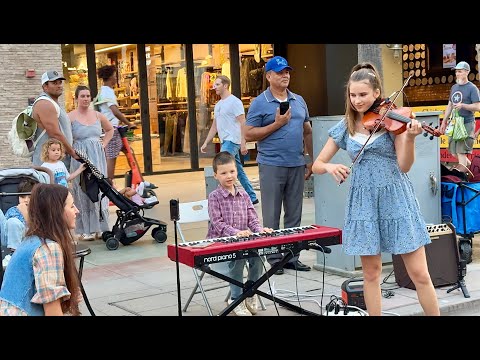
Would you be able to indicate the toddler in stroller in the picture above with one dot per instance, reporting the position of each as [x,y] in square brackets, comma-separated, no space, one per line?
[10,179]
[131,224]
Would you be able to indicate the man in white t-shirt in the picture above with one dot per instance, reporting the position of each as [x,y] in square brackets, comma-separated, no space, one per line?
[228,121]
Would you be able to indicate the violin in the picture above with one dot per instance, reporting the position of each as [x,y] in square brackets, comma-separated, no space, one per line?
[394,121]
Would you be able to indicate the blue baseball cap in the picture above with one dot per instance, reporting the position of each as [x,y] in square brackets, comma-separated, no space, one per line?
[462,65]
[277,64]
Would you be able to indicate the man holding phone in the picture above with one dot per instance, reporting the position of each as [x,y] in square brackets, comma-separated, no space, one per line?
[278,120]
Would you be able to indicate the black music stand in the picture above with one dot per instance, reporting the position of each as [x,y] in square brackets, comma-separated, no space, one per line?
[175,216]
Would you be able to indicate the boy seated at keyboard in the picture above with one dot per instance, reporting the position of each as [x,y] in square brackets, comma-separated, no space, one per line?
[232,214]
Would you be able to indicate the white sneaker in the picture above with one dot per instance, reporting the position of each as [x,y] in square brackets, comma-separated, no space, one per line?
[252,304]
[150,200]
[87,237]
[241,309]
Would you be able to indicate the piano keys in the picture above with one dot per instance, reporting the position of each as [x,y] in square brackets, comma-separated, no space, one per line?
[210,251]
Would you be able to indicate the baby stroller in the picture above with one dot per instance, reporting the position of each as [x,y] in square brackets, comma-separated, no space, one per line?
[9,180]
[11,177]
[131,224]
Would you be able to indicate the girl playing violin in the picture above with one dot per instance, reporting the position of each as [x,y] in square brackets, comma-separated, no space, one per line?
[382,212]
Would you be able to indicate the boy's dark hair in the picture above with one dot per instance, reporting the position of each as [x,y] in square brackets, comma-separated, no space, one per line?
[105,72]
[26,186]
[222,158]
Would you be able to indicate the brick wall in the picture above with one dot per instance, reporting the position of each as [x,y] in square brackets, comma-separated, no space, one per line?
[15,88]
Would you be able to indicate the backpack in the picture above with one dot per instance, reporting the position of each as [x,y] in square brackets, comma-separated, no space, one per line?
[23,130]
[475,169]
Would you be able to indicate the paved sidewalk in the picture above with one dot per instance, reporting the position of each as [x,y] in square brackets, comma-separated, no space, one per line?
[140,280]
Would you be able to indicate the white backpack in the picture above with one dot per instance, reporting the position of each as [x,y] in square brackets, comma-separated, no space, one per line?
[23,130]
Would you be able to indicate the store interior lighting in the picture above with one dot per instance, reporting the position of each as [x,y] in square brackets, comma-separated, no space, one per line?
[111,48]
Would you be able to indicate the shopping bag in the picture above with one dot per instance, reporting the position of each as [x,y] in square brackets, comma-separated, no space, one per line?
[459,131]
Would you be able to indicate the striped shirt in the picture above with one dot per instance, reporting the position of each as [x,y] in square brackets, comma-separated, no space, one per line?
[49,279]
[230,213]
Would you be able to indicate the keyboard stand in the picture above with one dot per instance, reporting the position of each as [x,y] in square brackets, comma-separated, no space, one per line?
[250,288]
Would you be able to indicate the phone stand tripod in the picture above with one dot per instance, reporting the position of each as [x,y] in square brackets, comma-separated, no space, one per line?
[462,271]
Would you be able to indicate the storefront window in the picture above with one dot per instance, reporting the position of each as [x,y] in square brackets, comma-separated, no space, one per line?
[124,57]
[167,93]
[210,60]
[74,61]
[253,81]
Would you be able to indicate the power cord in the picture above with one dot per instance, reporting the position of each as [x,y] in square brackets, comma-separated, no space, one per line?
[337,306]
[287,295]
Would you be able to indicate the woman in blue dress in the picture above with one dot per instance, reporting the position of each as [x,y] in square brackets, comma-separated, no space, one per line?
[382,213]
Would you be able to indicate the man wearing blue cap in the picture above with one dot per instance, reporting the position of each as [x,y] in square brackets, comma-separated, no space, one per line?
[464,97]
[281,140]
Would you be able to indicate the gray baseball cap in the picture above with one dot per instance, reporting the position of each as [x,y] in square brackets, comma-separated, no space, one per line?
[51,75]
[462,65]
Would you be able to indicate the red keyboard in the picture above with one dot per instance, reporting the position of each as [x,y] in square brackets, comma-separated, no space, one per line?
[209,251]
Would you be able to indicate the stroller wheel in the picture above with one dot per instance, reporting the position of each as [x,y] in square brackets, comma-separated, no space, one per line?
[112,243]
[106,235]
[159,235]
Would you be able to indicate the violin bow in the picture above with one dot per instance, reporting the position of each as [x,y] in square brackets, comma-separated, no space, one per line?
[379,123]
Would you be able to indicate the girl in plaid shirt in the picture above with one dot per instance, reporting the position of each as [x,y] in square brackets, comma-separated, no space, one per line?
[41,277]
[232,214]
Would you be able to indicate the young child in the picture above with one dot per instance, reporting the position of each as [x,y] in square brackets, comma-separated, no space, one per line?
[232,213]
[17,216]
[136,195]
[52,154]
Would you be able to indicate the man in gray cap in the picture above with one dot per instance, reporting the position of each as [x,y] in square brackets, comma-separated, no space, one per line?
[51,117]
[464,96]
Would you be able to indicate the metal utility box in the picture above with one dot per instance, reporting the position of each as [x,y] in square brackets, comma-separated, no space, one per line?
[210,182]
[330,197]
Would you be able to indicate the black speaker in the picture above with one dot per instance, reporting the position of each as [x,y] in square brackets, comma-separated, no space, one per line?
[442,258]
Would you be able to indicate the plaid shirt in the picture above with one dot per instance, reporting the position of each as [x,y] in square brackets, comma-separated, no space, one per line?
[49,279]
[230,214]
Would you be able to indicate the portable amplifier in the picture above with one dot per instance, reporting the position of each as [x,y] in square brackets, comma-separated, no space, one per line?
[442,258]
[352,294]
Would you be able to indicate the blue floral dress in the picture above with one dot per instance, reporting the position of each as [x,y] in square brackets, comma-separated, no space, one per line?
[382,212]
